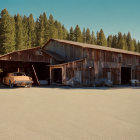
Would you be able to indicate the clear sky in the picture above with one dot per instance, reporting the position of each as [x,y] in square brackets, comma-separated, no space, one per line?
[111,15]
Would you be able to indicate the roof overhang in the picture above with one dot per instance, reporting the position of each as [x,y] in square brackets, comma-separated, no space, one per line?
[54,55]
[91,46]
[63,64]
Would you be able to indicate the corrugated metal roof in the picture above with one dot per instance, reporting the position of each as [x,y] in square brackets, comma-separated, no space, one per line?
[94,47]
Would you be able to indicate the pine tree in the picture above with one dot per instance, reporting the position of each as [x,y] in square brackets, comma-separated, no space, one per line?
[25,31]
[46,28]
[130,43]
[77,34]
[88,36]
[109,40]
[40,31]
[71,34]
[19,32]
[121,42]
[101,39]
[36,32]
[84,36]
[93,39]
[138,50]
[31,32]
[114,42]
[52,29]
[59,30]
[97,38]
[7,32]
[65,33]
[135,45]
[125,42]
[56,27]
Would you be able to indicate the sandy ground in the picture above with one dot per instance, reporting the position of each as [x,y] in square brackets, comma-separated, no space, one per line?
[69,114]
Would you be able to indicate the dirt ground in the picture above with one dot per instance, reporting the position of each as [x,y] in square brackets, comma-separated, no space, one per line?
[70,114]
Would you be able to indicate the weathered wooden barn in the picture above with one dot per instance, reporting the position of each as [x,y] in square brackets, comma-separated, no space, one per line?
[73,63]
[31,61]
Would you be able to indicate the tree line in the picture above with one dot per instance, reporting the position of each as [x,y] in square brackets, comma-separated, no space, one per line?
[21,32]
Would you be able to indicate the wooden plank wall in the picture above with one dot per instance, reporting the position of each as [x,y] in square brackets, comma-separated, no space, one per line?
[35,55]
[100,61]
[69,52]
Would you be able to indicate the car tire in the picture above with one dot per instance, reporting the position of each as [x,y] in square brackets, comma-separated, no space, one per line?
[10,84]
[28,86]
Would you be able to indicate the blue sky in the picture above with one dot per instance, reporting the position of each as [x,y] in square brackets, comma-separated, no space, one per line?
[111,15]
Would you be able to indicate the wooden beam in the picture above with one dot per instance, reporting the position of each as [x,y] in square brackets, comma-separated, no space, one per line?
[50,75]
[36,75]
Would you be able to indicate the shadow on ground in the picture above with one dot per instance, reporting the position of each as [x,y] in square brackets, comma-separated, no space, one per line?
[97,88]
[71,88]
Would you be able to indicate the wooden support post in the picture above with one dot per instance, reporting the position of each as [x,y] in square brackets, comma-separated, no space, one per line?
[120,74]
[35,75]
[131,73]
[50,75]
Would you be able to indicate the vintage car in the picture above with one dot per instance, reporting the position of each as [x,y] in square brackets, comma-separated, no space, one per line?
[17,79]
[135,82]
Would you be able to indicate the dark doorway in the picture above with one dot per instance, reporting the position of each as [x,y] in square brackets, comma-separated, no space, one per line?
[57,75]
[40,73]
[125,75]
[42,70]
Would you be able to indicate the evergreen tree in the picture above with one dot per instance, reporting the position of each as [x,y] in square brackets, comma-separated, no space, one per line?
[59,30]
[93,39]
[52,29]
[31,32]
[97,38]
[135,45]
[65,33]
[25,31]
[109,40]
[102,39]
[46,28]
[36,32]
[84,36]
[125,42]
[71,34]
[88,36]
[19,32]
[77,34]
[40,31]
[7,32]
[121,42]
[114,42]
[130,43]
[56,27]
[138,50]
